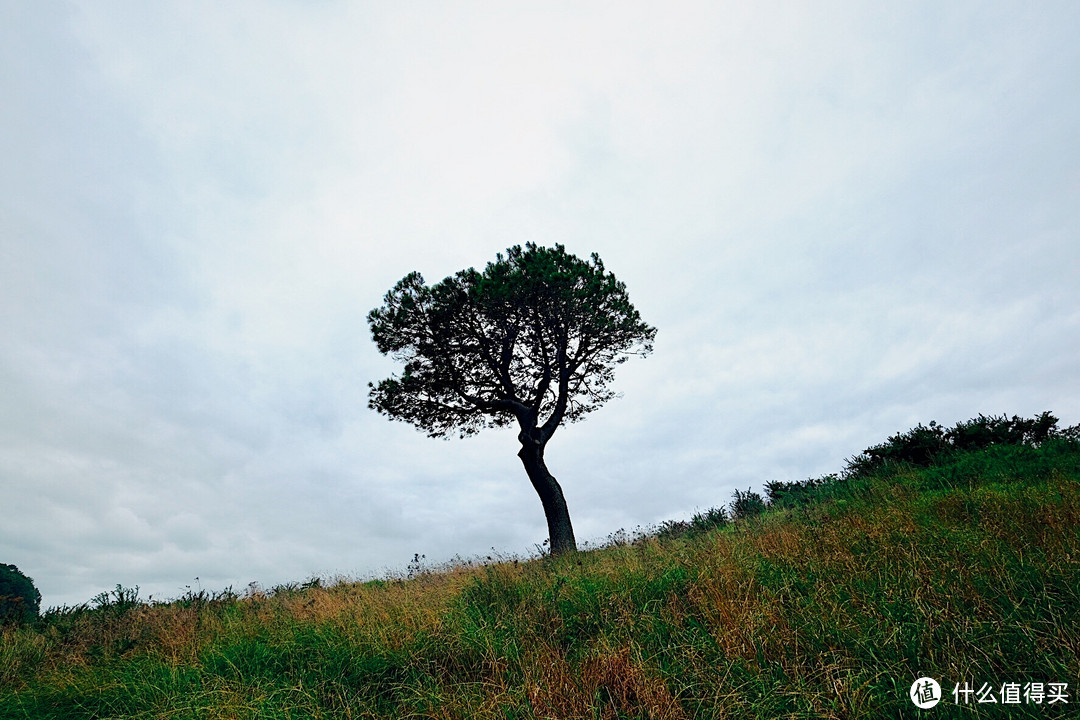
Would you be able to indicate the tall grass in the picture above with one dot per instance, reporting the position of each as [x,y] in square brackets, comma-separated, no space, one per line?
[828,608]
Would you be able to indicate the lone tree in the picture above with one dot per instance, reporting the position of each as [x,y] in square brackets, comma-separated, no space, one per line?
[533,339]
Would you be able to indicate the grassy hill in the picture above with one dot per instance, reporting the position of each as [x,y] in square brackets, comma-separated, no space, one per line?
[964,568]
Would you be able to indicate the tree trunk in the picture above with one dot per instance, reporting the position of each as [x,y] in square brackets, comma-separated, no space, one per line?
[560,532]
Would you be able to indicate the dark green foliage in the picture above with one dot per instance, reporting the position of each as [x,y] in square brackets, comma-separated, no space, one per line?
[533,338]
[710,519]
[118,601]
[922,446]
[982,432]
[673,529]
[20,601]
[792,494]
[918,446]
[746,504]
[700,523]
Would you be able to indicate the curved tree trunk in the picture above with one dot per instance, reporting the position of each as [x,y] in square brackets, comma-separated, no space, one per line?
[560,532]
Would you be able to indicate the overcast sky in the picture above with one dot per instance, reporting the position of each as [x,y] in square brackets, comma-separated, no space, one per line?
[844,218]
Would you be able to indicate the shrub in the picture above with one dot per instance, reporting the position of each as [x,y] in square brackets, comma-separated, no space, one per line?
[702,522]
[790,494]
[746,505]
[118,601]
[982,432]
[20,601]
[919,446]
[673,529]
[923,446]
[711,518]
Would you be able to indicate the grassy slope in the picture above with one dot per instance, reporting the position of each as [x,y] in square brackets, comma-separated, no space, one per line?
[965,571]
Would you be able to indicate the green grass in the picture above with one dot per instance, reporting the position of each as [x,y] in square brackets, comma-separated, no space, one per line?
[830,608]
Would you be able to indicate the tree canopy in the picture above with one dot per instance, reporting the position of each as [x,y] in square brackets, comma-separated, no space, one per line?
[533,339]
[20,601]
